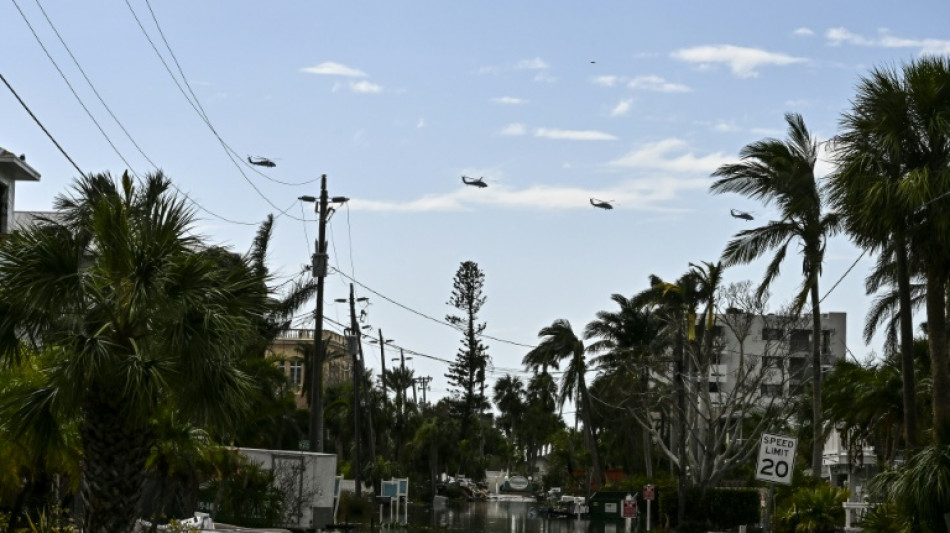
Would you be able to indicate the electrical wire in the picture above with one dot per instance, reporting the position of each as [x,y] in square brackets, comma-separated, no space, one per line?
[846,272]
[106,106]
[428,317]
[204,115]
[195,106]
[42,127]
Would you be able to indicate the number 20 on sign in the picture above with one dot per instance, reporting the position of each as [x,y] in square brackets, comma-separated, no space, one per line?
[776,459]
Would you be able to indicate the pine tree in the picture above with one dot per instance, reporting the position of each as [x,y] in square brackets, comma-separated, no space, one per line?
[466,374]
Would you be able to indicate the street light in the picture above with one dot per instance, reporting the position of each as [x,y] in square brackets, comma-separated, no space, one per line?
[319,270]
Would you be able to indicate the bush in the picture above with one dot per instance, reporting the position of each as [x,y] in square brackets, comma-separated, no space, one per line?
[816,510]
[248,497]
[720,509]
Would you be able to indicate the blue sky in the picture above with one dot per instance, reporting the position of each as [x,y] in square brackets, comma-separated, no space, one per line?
[553,103]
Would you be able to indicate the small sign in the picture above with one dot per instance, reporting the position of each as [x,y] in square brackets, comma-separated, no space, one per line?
[648,493]
[776,459]
[630,508]
[610,507]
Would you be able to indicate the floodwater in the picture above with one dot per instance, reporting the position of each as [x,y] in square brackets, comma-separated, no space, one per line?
[492,517]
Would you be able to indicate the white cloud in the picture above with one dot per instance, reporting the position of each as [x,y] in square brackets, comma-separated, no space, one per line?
[622,108]
[536,64]
[671,155]
[509,100]
[329,68]
[647,194]
[364,86]
[514,129]
[841,35]
[544,76]
[725,126]
[605,81]
[742,61]
[803,32]
[531,64]
[573,135]
[421,123]
[657,84]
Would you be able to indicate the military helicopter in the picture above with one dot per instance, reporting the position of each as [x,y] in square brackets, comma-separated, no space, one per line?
[479,182]
[740,214]
[261,161]
[601,204]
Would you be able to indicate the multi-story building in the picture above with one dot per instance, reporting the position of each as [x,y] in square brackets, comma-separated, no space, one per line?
[288,352]
[780,346]
[12,169]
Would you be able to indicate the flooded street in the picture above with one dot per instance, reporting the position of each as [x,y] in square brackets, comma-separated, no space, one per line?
[496,517]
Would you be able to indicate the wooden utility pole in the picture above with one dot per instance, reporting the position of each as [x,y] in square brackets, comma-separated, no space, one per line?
[319,270]
[355,333]
[382,359]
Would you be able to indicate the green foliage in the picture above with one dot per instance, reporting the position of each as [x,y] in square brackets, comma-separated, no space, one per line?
[921,489]
[816,510]
[885,518]
[246,496]
[55,521]
[719,508]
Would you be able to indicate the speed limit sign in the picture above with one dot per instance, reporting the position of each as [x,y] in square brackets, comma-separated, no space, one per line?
[776,459]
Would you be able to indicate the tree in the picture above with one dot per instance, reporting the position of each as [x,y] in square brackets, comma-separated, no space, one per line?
[559,342]
[895,158]
[466,374]
[137,316]
[783,173]
[627,339]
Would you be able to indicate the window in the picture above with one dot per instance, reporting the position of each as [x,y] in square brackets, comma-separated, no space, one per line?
[796,366]
[771,389]
[713,386]
[769,361]
[296,373]
[772,334]
[800,340]
[826,341]
[4,208]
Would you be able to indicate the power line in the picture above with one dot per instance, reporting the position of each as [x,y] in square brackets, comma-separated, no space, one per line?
[106,106]
[846,272]
[42,127]
[428,317]
[71,89]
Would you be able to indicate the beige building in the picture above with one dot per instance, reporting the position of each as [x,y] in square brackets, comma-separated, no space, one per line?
[287,352]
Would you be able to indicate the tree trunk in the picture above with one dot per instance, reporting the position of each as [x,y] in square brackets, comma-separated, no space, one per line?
[680,382]
[908,383]
[940,366]
[818,444]
[114,455]
[589,430]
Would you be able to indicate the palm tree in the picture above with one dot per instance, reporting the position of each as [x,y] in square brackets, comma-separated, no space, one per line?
[895,153]
[874,152]
[675,304]
[626,339]
[139,317]
[783,173]
[559,342]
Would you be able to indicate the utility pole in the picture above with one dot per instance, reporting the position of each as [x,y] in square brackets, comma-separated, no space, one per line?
[355,332]
[382,359]
[424,386]
[318,269]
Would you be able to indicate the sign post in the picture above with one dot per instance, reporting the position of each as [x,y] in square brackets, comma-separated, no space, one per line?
[629,511]
[775,465]
[648,495]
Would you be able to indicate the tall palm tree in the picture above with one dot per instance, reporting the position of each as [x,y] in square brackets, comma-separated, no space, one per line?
[874,151]
[897,141]
[782,173]
[139,316]
[559,343]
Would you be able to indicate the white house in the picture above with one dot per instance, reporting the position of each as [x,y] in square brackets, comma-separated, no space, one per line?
[13,168]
